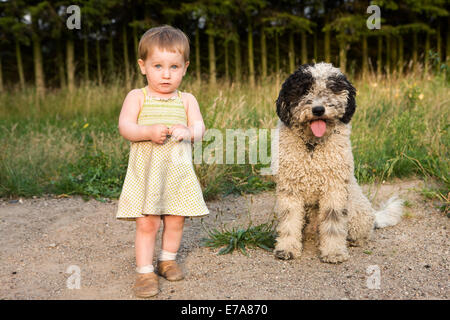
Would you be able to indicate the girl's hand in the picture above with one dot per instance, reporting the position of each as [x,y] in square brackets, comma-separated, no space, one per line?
[180,132]
[158,133]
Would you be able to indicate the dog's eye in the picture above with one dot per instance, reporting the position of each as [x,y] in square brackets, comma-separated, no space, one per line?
[337,84]
[335,87]
[308,102]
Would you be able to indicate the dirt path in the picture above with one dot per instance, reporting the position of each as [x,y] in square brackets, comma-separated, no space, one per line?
[41,238]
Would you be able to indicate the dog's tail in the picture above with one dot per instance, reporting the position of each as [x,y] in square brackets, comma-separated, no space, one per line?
[390,214]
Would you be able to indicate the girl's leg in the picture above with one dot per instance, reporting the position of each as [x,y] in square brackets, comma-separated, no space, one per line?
[146,231]
[146,284]
[171,239]
[172,233]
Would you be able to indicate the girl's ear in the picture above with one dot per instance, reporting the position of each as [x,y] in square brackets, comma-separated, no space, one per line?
[185,67]
[141,65]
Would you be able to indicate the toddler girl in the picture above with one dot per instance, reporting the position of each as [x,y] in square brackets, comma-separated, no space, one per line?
[160,184]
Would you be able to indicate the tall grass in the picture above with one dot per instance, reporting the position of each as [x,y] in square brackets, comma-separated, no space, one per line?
[68,143]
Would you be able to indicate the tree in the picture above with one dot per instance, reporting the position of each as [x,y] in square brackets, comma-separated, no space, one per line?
[329,9]
[275,29]
[14,30]
[250,8]
[235,37]
[142,19]
[38,16]
[349,28]
[447,55]
[420,13]
[207,11]
[1,76]
[195,14]
[122,18]
[92,12]
[58,31]
[282,22]
[415,29]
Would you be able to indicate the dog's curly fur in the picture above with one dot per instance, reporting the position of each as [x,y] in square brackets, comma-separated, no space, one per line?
[316,186]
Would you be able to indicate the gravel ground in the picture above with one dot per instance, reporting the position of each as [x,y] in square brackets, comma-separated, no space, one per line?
[41,238]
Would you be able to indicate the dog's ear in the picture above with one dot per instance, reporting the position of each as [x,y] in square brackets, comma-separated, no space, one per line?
[340,83]
[292,90]
[351,102]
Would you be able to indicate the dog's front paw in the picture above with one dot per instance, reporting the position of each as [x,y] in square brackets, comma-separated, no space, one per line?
[336,257]
[284,255]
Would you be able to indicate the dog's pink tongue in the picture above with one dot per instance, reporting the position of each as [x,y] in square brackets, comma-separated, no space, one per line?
[318,127]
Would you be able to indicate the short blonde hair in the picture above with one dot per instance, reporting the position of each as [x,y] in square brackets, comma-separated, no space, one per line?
[165,38]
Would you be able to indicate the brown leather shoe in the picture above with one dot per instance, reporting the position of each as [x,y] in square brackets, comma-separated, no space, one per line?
[146,285]
[170,270]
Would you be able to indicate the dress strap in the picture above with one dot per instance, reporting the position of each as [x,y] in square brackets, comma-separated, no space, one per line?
[144,90]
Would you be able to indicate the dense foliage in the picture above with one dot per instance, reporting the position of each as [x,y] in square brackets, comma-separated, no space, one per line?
[233,39]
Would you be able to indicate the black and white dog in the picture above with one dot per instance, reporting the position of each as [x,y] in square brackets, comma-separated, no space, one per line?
[316,186]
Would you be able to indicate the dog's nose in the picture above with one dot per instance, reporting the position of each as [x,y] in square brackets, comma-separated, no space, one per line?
[318,111]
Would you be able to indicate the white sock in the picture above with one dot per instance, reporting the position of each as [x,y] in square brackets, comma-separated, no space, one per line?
[166,255]
[145,269]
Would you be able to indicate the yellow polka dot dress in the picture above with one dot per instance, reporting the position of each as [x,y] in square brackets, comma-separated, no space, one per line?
[160,178]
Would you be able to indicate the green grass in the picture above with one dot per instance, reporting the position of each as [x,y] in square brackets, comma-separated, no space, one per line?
[261,236]
[441,195]
[69,143]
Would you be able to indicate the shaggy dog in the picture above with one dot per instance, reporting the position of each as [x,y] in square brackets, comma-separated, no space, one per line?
[316,186]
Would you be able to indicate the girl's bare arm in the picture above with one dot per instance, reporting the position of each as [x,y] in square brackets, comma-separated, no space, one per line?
[128,127]
[195,120]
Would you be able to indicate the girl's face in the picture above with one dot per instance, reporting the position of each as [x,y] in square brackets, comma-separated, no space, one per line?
[164,70]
